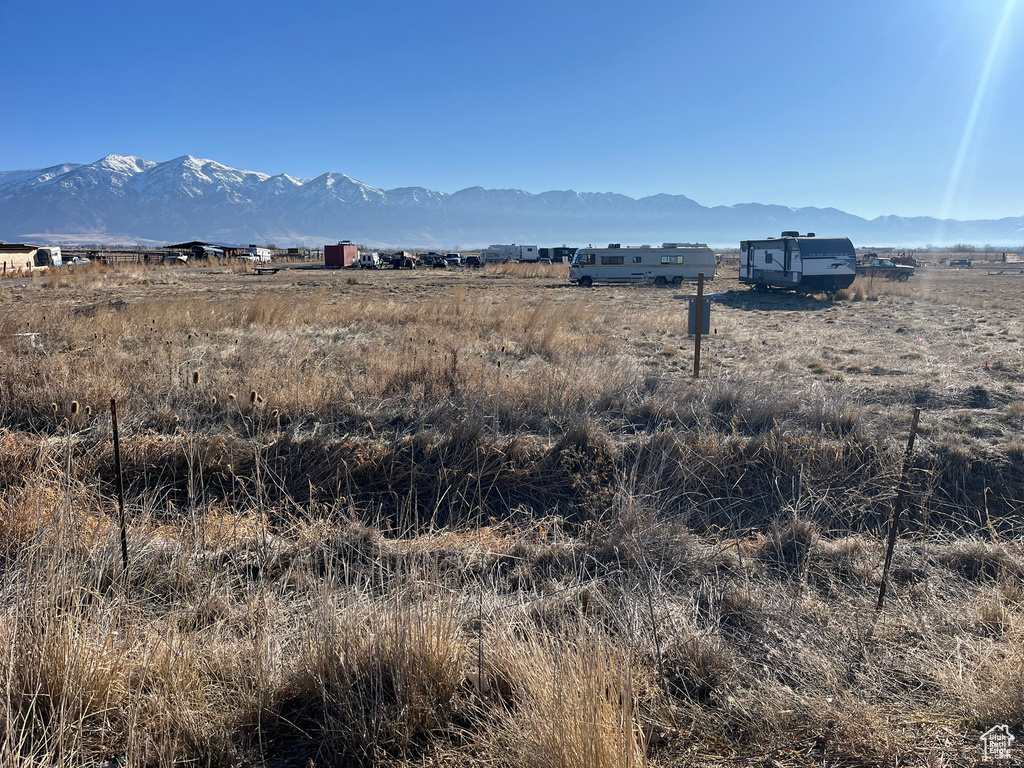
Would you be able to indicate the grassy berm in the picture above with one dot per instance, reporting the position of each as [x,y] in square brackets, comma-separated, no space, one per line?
[469,518]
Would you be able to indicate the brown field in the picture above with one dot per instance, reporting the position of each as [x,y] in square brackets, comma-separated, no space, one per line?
[455,518]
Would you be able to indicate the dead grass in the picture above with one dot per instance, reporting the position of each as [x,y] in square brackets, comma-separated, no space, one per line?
[477,517]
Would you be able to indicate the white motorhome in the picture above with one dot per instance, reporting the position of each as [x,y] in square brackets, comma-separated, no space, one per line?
[802,263]
[670,263]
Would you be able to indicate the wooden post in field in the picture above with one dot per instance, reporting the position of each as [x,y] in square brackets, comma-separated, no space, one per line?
[480,645]
[120,487]
[700,322]
[901,503]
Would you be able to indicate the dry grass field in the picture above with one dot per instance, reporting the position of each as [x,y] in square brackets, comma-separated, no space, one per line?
[485,517]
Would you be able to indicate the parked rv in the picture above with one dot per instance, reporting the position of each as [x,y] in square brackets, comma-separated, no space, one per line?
[48,256]
[500,253]
[802,263]
[670,263]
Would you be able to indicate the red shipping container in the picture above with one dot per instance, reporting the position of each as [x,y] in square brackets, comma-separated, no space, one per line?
[344,254]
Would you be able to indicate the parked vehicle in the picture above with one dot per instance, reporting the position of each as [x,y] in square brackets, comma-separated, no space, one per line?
[885,268]
[962,263]
[502,253]
[661,265]
[802,263]
[453,260]
[48,256]
[403,260]
[255,254]
[77,261]
[544,260]
[175,257]
[207,252]
[370,260]
[457,256]
[474,261]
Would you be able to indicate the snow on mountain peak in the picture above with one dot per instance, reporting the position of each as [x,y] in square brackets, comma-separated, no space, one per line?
[128,165]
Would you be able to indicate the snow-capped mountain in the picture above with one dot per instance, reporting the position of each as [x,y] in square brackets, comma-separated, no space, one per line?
[129,199]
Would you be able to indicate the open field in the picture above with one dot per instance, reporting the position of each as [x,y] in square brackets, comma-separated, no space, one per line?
[456,517]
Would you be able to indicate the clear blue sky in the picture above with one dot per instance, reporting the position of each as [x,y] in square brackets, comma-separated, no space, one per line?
[909,107]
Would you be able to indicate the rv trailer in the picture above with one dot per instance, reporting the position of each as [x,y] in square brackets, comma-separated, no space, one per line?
[499,253]
[802,263]
[48,256]
[670,263]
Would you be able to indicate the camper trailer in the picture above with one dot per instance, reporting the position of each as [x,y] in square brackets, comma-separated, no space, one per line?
[802,263]
[670,263]
[498,253]
[48,256]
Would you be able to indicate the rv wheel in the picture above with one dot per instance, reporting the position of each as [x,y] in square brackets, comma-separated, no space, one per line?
[660,281]
[586,281]
[761,288]
[677,281]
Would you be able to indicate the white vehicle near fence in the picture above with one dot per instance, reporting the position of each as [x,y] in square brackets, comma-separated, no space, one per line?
[256,254]
[801,263]
[668,264]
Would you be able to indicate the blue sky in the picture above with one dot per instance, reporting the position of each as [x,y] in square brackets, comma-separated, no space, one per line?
[907,107]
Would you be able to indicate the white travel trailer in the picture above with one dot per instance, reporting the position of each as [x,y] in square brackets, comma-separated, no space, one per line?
[513,252]
[802,263]
[671,263]
[48,256]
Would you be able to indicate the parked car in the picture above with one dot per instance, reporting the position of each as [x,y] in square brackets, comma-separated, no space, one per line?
[453,261]
[544,260]
[77,261]
[474,261]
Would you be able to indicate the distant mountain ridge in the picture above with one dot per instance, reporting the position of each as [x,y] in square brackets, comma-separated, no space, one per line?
[127,199]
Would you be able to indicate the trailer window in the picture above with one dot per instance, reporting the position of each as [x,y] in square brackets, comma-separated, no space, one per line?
[611,259]
[767,257]
[672,259]
[638,259]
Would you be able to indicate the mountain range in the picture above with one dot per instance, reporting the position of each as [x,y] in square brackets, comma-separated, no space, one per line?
[127,200]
